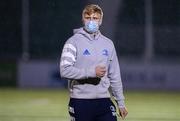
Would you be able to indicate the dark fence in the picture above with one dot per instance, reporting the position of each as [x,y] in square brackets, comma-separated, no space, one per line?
[51,23]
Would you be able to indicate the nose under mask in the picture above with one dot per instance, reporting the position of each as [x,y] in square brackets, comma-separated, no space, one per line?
[91,26]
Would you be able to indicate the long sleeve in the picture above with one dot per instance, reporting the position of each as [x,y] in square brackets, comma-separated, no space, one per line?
[68,59]
[115,79]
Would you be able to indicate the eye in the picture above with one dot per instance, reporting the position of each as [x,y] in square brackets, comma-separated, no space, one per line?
[87,18]
[95,18]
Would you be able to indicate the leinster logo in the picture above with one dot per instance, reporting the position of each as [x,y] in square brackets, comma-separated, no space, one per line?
[105,52]
[113,110]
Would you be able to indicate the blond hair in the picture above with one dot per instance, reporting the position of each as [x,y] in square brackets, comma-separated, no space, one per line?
[92,8]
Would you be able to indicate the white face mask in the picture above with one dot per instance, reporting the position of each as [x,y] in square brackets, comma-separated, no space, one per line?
[91,26]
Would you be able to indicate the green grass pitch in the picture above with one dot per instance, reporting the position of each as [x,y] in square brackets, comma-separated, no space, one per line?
[51,105]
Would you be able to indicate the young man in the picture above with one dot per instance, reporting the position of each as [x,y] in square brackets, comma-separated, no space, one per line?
[90,63]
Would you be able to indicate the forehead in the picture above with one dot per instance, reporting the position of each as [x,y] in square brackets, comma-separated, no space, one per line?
[92,15]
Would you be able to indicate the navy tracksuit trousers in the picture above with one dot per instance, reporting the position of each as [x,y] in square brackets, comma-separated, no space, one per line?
[92,110]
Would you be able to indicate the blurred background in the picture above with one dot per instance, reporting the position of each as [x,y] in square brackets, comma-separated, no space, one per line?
[146,34]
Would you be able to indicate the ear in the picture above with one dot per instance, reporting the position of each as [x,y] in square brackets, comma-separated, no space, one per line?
[82,19]
[100,22]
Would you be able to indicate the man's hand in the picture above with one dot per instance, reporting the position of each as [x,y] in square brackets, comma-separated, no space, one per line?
[123,112]
[100,71]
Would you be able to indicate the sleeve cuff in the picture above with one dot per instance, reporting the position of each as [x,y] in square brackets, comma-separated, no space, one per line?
[121,104]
